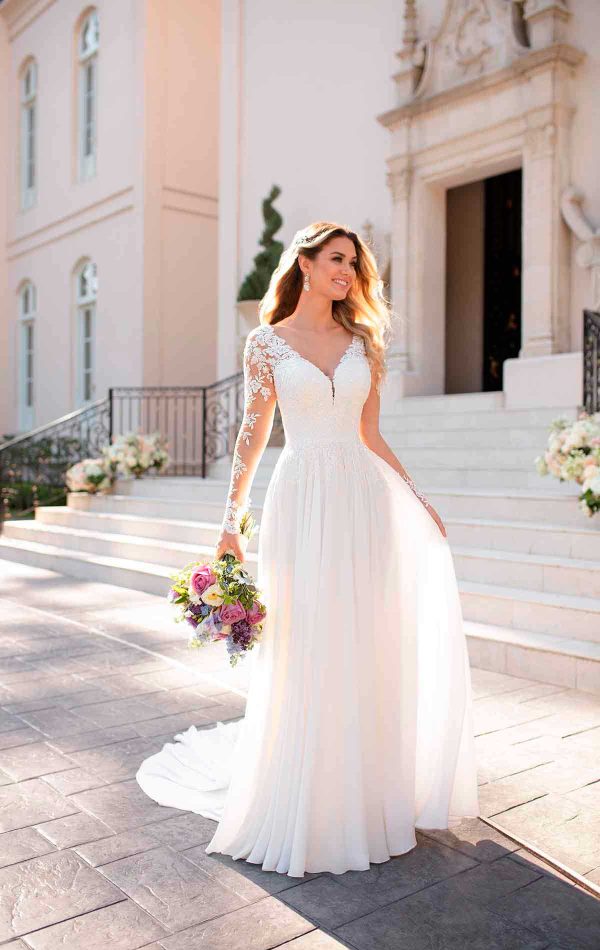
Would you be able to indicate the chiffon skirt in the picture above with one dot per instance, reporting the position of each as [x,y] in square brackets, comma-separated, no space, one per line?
[358,724]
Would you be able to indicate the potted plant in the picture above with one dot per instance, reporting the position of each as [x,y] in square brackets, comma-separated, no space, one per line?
[256,283]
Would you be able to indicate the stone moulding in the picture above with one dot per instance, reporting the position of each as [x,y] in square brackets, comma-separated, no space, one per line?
[529,62]
[475,37]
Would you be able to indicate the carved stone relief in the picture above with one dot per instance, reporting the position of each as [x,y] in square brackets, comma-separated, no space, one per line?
[475,37]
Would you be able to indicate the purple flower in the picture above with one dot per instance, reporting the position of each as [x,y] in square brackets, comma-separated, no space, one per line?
[173,595]
[233,647]
[241,632]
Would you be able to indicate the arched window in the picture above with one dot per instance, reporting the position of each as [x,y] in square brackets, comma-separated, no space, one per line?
[28,134]
[26,340]
[87,49]
[87,289]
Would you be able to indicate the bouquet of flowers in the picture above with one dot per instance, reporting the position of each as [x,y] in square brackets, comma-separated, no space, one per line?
[573,454]
[90,475]
[135,454]
[220,601]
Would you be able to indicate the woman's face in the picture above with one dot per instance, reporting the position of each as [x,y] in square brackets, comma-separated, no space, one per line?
[333,270]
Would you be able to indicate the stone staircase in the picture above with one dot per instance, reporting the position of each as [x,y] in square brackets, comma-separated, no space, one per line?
[528,561]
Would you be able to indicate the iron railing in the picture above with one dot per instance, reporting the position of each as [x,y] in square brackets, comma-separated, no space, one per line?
[36,461]
[591,361]
[200,424]
[43,455]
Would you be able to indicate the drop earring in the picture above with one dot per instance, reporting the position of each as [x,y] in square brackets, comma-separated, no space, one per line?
[306,282]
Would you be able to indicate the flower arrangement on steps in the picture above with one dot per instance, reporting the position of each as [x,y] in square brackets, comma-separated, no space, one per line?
[573,455]
[128,456]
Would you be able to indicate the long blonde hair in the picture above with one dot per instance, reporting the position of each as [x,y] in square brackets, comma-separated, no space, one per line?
[364,311]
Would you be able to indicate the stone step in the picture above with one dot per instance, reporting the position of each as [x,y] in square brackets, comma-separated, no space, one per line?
[532,438]
[509,569]
[525,537]
[536,572]
[450,403]
[564,662]
[481,467]
[125,562]
[135,575]
[427,415]
[443,476]
[188,504]
[159,529]
[172,554]
[522,537]
[496,459]
[559,615]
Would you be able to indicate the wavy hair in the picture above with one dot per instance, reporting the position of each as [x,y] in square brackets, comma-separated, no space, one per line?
[364,311]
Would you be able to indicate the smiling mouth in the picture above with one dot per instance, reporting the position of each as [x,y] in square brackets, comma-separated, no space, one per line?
[341,283]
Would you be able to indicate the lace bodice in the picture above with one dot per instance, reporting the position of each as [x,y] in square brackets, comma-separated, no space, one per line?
[315,408]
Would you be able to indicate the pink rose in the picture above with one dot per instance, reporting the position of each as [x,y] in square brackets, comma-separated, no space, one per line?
[255,614]
[202,578]
[230,613]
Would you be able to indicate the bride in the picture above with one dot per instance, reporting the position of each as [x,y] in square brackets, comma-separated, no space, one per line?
[358,722]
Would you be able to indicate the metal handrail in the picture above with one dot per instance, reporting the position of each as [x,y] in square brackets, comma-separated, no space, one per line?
[199,423]
[48,426]
[591,361]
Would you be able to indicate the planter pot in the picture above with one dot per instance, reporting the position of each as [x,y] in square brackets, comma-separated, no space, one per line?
[247,319]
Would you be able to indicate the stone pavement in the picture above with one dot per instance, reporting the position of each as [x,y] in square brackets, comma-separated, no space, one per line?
[95,678]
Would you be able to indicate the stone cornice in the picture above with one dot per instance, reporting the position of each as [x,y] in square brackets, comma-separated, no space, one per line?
[528,63]
[19,14]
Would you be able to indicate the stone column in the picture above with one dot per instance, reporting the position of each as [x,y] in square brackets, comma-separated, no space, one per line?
[545,240]
[398,357]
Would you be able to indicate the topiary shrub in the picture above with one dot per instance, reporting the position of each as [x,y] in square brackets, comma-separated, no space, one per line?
[256,283]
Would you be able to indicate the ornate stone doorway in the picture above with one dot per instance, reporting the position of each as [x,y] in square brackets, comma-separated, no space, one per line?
[488,94]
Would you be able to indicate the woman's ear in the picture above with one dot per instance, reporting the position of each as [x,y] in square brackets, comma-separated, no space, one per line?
[303,265]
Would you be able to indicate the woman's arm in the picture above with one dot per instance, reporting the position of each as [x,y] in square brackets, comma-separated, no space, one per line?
[373,439]
[252,438]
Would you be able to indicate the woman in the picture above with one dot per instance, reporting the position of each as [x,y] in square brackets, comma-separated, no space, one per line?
[358,718]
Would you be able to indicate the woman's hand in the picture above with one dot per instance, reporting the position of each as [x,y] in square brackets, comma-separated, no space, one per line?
[437,519]
[234,543]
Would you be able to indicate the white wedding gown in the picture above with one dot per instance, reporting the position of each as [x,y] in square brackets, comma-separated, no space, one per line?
[358,724]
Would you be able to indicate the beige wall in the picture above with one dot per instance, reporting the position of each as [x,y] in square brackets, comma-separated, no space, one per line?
[6,419]
[584,32]
[148,218]
[181,200]
[464,288]
[308,82]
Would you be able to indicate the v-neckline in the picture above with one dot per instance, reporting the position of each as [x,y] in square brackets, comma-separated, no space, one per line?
[310,362]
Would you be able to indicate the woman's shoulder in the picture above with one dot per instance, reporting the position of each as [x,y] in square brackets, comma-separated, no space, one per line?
[259,334]
[257,348]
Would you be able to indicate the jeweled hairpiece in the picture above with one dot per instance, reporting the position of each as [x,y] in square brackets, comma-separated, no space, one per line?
[299,240]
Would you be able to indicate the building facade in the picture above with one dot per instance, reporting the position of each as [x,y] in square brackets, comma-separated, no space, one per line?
[140,139]
[109,158]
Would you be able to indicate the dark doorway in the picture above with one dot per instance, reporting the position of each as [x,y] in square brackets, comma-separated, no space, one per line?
[502,275]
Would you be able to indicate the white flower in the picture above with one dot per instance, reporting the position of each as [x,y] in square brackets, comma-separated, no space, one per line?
[213,596]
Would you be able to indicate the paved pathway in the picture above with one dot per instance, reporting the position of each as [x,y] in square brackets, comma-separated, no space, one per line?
[94,678]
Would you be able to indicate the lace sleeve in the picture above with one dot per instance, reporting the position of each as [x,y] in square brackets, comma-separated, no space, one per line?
[422,498]
[255,428]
